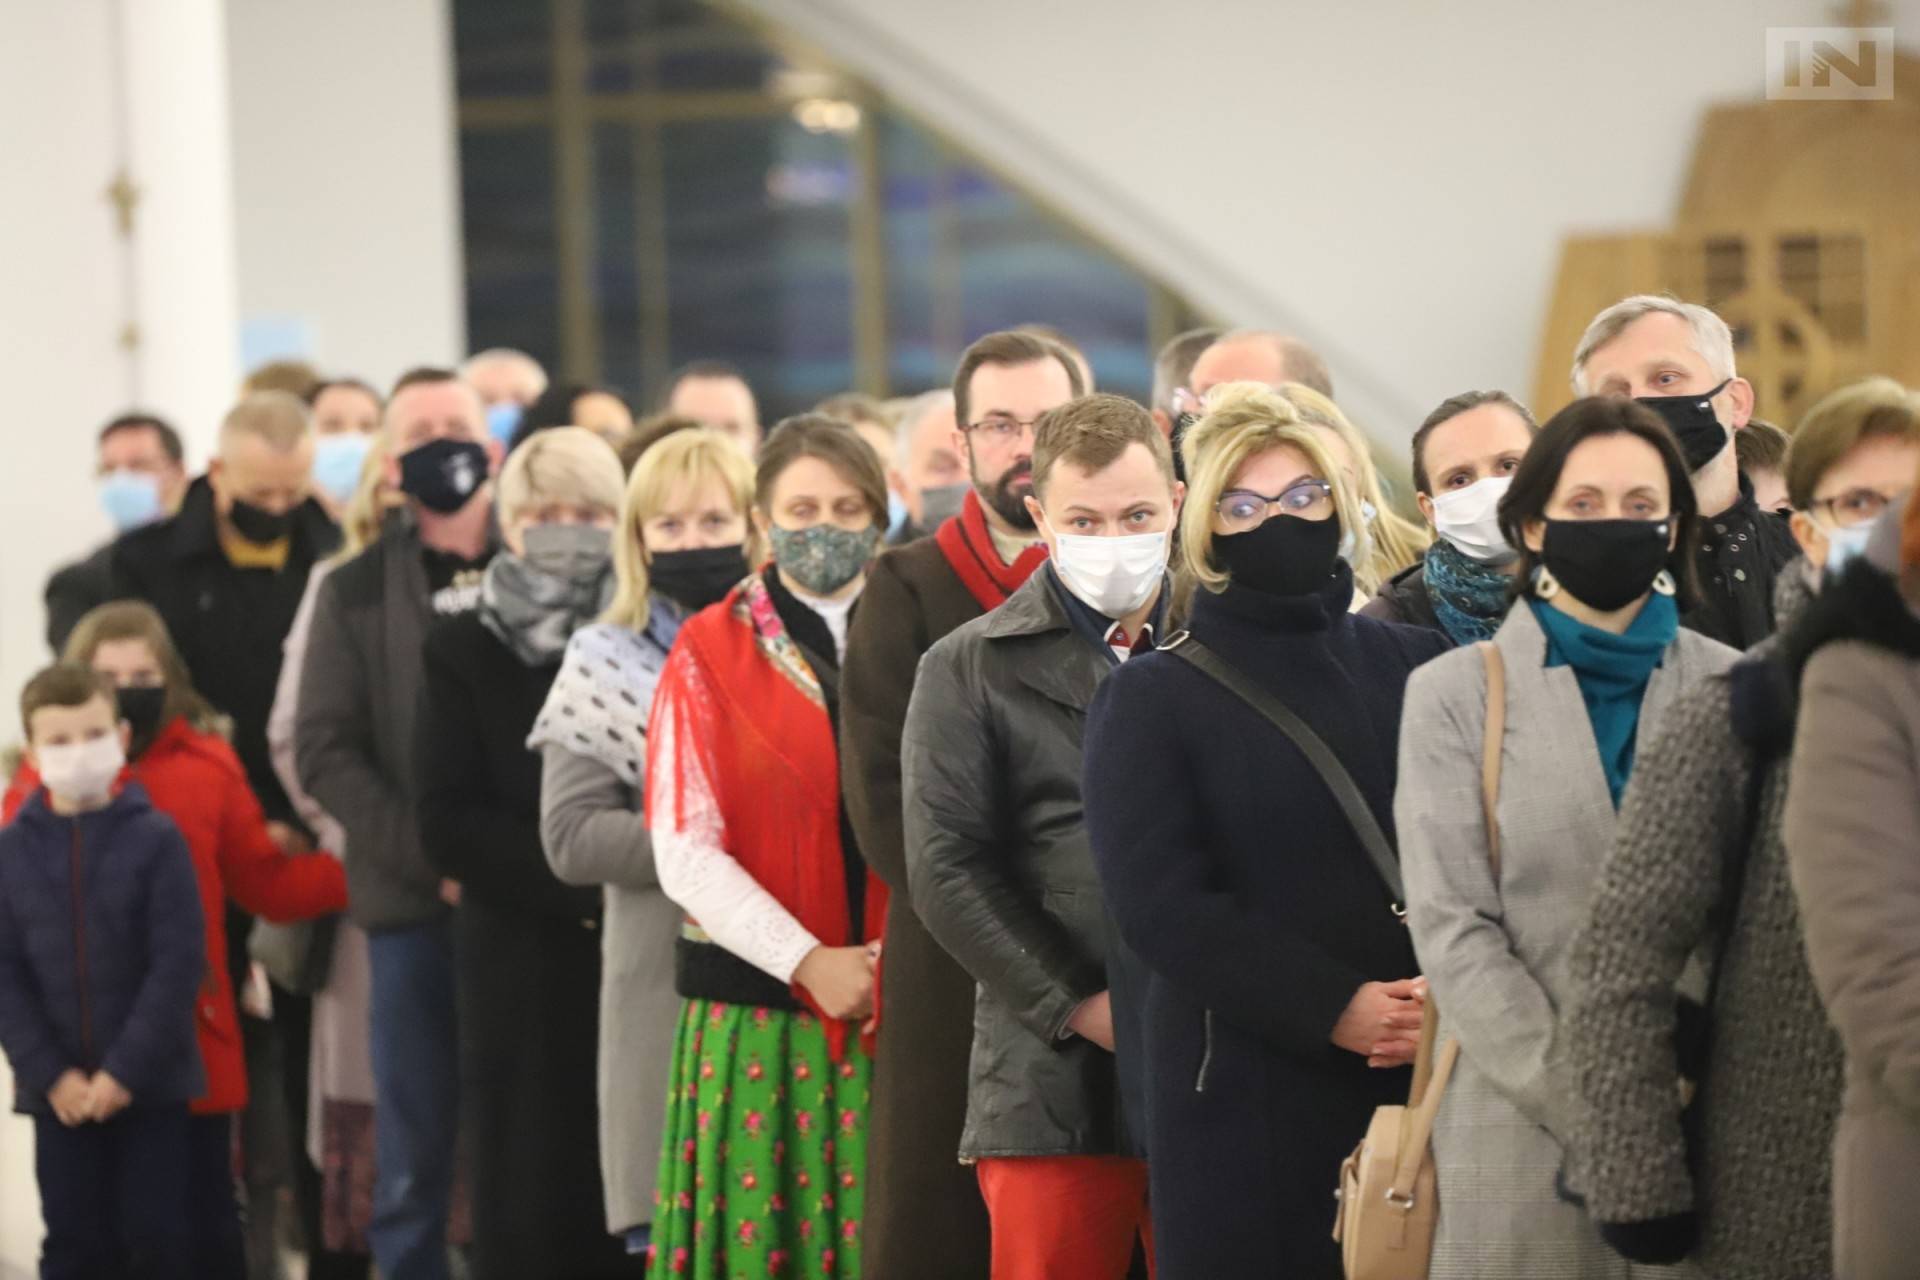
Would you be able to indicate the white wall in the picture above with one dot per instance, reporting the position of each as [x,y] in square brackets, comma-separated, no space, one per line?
[346,177]
[1391,180]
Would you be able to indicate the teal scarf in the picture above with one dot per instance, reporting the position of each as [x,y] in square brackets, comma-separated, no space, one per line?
[1613,671]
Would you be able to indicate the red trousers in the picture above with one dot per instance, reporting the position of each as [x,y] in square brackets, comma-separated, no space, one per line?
[1065,1217]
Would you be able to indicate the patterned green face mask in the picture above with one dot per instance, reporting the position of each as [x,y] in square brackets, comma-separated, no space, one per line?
[824,557]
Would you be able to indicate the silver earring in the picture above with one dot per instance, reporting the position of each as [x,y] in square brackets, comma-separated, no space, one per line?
[1663,583]
[1545,585]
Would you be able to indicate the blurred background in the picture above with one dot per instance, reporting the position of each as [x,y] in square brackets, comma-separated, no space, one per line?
[841,194]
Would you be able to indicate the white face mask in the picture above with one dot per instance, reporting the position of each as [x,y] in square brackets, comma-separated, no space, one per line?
[82,772]
[1114,576]
[1469,518]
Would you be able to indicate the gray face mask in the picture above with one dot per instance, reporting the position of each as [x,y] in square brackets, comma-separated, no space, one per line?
[824,557]
[576,553]
[941,503]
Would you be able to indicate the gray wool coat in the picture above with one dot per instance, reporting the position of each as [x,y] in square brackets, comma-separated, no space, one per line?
[1773,1079]
[1497,955]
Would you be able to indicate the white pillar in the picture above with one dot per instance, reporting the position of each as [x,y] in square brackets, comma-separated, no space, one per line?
[64,303]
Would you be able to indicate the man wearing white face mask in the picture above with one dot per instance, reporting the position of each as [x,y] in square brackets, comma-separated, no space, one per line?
[1464,456]
[997,855]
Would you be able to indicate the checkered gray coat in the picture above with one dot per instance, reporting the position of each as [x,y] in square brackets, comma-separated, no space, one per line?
[1496,956]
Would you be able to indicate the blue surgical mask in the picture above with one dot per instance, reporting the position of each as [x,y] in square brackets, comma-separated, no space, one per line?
[503,420]
[896,513]
[1350,545]
[337,460]
[1844,546]
[130,498]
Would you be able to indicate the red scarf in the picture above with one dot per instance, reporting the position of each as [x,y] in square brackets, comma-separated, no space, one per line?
[968,547]
[752,742]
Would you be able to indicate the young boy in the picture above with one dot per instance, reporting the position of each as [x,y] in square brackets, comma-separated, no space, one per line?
[101,960]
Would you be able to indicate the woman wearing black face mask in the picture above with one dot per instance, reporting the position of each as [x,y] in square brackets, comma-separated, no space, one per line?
[180,754]
[526,945]
[1602,510]
[682,542]
[1283,998]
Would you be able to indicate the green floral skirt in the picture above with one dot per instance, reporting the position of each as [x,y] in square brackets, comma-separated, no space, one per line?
[763,1168]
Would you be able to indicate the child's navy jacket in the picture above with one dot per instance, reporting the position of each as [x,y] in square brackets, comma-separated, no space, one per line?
[102,951]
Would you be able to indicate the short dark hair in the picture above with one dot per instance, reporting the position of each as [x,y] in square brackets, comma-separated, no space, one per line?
[1092,432]
[64,684]
[1539,475]
[1449,409]
[650,431]
[295,377]
[554,408]
[702,369]
[1761,446]
[353,384]
[1174,364]
[814,435]
[169,438]
[423,375]
[1007,347]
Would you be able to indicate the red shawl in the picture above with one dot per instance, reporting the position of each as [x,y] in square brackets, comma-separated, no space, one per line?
[968,547]
[755,763]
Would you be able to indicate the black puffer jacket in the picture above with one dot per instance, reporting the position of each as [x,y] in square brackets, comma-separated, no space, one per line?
[1404,599]
[1002,872]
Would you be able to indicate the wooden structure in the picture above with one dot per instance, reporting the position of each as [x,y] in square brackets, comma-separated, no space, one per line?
[1800,224]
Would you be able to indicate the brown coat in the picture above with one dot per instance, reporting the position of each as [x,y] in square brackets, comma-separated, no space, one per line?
[1853,838]
[922,1204]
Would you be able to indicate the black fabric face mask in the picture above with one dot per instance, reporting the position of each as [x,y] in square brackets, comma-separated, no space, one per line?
[1700,435]
[1286,556]
[141,707]
[695,579]
[443,475]
[1606,564]
[257,524]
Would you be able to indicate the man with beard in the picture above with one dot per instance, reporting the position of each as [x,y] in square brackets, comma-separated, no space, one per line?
[916,1189]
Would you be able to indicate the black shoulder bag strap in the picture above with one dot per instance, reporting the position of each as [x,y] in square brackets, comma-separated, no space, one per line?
[1328,765]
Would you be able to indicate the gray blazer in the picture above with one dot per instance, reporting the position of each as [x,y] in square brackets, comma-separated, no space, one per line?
[1496,956]
[595,833]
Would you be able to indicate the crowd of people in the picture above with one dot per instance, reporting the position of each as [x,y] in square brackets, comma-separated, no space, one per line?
[1009,831]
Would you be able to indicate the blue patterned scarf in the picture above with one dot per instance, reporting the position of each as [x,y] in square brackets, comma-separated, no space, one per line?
[1469,598]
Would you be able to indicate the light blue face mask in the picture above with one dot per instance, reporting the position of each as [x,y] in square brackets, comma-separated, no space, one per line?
[1844,546]
[337,460]
[503,420]
[1348,543]
[896,513]
[130,498]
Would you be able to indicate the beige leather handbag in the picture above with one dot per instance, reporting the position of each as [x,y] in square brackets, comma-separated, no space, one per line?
[1388,1191]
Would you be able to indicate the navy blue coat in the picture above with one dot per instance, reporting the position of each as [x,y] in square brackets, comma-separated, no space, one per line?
[102,951]
[1233,874]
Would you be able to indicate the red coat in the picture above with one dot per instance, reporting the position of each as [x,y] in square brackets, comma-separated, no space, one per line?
[195,778]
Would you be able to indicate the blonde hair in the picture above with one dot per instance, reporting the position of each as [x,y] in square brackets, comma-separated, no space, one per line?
[1244,419]
[1391,542]
[561,464]
[685,461]
[367,508]
[1872,408]
[277,418]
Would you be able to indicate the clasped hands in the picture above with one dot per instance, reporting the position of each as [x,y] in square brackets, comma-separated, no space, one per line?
[78,1098]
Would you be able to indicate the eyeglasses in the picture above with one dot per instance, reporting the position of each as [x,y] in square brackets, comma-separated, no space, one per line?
[1240,510]
[1002,428]
[1855,506]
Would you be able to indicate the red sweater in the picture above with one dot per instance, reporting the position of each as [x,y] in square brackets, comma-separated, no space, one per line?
[195,778]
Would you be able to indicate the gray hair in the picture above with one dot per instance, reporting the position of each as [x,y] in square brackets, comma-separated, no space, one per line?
[1174,365]
[505,356]
[916,412]
[1712,340]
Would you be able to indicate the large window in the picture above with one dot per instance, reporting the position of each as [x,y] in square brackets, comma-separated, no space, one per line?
[648,182]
